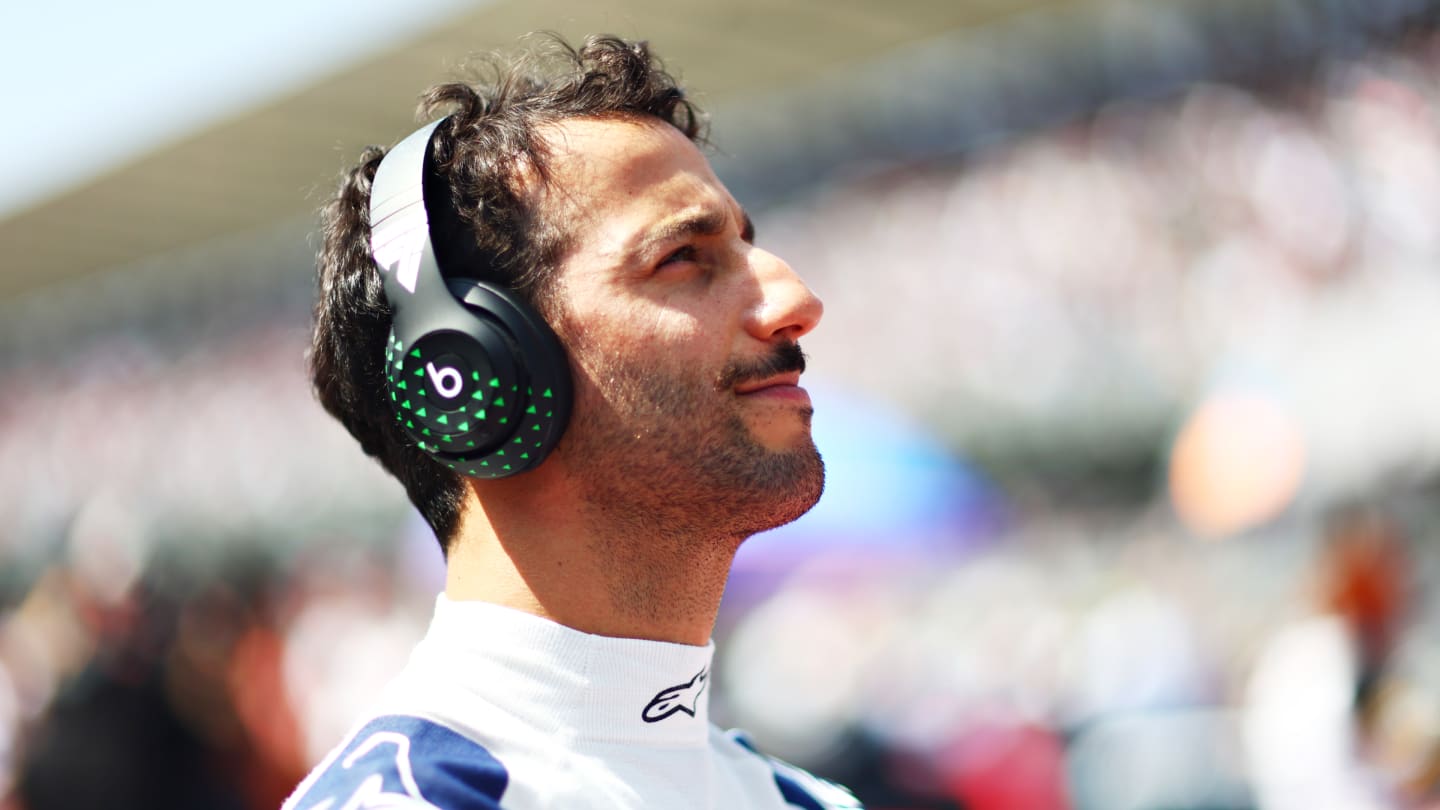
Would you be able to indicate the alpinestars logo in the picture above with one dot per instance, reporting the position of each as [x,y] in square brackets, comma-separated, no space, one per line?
[681,698]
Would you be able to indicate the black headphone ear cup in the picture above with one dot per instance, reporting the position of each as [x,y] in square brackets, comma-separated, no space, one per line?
[490,395]
[447,389]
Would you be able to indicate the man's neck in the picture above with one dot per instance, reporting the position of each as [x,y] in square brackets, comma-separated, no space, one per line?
[586,571]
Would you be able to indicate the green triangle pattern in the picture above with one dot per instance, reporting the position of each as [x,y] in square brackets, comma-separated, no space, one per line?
[494,382]
[414,352]
[463,426]
[406,405]
[419,372]
[443,419]
[420,412]
[401,385]
[530,409]
[547,394]
[499,402]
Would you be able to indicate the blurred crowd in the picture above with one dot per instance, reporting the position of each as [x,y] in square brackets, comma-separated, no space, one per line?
[201,578]
[1083,288]
[1111,663]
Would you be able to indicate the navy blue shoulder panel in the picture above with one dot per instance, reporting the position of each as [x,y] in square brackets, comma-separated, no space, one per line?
[407,762]
[795,795]
[799,788]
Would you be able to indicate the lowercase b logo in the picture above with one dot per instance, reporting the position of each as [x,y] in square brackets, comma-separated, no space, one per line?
[447,381]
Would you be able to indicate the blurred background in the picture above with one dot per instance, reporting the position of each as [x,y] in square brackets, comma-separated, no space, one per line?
[1127,389]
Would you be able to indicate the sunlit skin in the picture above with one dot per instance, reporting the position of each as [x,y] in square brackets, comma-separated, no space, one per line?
[631,525]
[666,266]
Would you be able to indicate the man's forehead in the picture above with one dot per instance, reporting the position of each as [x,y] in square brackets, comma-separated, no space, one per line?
[606,155]
[612,176]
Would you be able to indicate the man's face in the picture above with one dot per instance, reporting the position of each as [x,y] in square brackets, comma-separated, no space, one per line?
[682,333]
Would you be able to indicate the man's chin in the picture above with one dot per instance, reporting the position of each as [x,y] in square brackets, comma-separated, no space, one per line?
[790,501]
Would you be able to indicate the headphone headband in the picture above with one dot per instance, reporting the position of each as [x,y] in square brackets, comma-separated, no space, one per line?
[400,235]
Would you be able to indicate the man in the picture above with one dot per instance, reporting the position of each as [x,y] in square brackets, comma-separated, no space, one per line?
[568,662]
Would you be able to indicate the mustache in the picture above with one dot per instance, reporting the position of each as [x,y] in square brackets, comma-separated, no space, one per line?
[787,357]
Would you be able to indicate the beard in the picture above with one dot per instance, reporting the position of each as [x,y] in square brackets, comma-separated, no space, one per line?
[665,451]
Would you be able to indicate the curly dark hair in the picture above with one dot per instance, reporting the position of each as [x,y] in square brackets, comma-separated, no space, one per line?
[490,136]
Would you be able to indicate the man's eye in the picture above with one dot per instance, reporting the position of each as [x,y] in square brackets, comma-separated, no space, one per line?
[684,254]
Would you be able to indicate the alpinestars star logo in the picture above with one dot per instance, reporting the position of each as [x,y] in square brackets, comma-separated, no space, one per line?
[681,698]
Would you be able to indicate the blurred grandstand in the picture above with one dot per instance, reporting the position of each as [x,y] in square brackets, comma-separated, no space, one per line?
[1134,442]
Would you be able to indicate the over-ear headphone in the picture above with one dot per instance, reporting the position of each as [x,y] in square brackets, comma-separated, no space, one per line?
[475,375]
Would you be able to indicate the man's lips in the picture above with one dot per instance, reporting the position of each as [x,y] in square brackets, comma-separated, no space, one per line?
[781,386]
[791,380]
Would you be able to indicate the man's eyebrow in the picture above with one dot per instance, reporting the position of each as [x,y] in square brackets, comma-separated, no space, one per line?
[696,223]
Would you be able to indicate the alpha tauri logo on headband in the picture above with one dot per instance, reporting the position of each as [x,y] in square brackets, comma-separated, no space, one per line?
[681,698]
[401,255]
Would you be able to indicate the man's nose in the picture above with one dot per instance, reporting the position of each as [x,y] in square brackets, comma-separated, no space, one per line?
[786,307]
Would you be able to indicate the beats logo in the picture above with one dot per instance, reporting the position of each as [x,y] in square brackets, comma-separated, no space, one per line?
[447,381]
[447,374]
